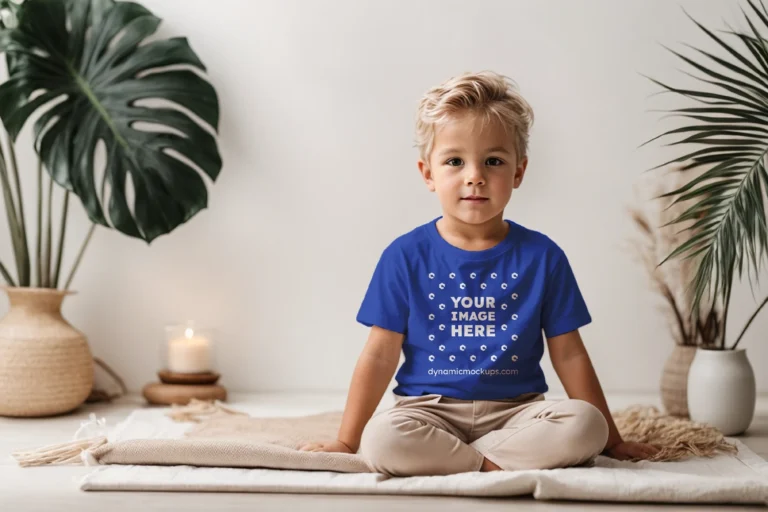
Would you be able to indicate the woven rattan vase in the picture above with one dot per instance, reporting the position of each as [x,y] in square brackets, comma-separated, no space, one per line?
[674,380]
[46,367]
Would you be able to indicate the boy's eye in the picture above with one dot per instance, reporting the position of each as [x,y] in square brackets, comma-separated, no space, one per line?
[493,161]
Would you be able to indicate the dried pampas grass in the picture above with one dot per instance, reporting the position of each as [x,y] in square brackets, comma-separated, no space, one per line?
[655,241]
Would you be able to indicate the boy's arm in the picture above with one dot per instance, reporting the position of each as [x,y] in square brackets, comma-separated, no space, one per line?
[373,372]
[574,368]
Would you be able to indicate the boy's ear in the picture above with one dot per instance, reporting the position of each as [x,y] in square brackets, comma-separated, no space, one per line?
[520,172]
[426,174]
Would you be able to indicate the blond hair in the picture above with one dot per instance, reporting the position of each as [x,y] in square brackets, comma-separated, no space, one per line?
[487,94]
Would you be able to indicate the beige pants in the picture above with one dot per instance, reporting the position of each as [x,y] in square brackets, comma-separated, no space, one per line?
[437,435]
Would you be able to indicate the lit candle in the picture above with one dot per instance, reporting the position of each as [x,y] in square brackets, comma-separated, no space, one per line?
[190,354]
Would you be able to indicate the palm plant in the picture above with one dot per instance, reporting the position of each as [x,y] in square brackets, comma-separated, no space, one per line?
[728,126]
[85,69]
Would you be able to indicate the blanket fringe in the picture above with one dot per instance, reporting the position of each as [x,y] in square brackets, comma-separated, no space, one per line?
[58,454]
[198,410]
[678,438]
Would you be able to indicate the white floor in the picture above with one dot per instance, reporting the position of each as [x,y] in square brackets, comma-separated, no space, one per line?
[55,488]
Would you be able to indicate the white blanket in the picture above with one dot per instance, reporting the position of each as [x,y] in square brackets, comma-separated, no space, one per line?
[722,479]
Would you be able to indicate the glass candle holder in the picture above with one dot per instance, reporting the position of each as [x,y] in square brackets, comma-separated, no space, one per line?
[189,349]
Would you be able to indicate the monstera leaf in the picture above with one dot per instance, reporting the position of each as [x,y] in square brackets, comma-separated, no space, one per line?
[85,68]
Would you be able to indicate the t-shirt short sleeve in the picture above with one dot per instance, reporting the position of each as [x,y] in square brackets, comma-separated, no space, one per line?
[385,303]
[564,309]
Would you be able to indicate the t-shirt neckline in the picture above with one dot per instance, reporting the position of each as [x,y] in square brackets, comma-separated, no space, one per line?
[464,254]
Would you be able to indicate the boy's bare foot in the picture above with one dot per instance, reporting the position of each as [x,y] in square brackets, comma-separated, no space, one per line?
[489,466]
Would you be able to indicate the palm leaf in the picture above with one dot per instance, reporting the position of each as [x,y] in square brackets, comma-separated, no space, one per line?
[728,137]
[92,74]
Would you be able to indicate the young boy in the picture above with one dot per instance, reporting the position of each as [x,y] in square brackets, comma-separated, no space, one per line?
[466,298]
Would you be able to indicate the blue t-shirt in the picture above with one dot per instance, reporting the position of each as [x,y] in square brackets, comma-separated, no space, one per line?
[473,320]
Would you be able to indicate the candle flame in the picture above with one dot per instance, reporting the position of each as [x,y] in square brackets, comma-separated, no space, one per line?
[188,332]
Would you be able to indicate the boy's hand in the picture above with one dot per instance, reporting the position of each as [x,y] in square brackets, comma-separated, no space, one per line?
[631,450]
[332,446]
[374,370]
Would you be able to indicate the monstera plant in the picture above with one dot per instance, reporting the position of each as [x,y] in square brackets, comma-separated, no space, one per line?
[125,122]
[84,70]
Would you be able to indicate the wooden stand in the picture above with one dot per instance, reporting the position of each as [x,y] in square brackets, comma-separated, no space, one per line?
[180,388]
[169,377]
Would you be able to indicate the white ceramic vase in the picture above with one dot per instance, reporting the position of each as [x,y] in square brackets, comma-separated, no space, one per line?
[722,390]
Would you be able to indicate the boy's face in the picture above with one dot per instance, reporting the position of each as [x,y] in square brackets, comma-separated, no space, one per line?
[473,172]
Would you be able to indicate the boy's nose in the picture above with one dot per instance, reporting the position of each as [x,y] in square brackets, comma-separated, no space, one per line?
[474,178]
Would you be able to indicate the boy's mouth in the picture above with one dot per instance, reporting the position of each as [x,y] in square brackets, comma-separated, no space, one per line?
[475,199]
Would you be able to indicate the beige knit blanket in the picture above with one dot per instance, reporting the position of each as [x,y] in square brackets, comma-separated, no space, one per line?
[235,440]
[224,437]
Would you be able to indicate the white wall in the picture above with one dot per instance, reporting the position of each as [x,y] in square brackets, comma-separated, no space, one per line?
[317,100]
